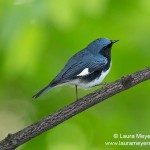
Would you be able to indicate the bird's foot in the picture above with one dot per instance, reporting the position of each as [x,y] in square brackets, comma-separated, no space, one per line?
[104,83]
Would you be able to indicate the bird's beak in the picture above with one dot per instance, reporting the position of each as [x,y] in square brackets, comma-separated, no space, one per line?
[114,41]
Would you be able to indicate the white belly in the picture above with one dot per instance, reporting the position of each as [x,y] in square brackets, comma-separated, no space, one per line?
[95,82]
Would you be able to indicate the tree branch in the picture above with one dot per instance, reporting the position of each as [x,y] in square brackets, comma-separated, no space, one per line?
[12,141]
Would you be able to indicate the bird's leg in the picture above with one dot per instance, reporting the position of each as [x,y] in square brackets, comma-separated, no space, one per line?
[76,92]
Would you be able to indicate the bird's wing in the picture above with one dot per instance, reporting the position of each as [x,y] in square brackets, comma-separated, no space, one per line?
[79,69]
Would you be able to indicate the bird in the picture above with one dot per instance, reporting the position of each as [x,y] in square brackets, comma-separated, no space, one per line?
[86,69]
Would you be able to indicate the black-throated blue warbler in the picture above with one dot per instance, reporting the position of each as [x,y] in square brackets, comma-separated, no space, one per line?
[85,69]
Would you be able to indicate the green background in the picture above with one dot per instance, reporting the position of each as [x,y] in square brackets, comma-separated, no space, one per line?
[36,40]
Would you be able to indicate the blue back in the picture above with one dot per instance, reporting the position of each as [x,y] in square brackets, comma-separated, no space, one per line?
[83,58]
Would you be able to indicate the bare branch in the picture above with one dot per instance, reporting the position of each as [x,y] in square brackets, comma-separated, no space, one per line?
[12,141]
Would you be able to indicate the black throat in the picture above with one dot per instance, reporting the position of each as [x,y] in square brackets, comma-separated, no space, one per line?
[106,52]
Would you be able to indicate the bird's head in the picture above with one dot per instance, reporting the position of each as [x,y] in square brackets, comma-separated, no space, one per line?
[101,46]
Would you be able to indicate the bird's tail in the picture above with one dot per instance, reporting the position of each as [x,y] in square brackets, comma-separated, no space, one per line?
[42,91]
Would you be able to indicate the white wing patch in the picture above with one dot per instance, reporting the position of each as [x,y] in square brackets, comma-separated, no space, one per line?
[95,82]
[84,72]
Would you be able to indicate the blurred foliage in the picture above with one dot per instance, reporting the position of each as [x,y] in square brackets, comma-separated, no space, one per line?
[38,37]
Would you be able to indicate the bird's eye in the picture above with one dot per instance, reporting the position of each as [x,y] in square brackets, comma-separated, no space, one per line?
[104,50]
[104,47]
[107,46]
